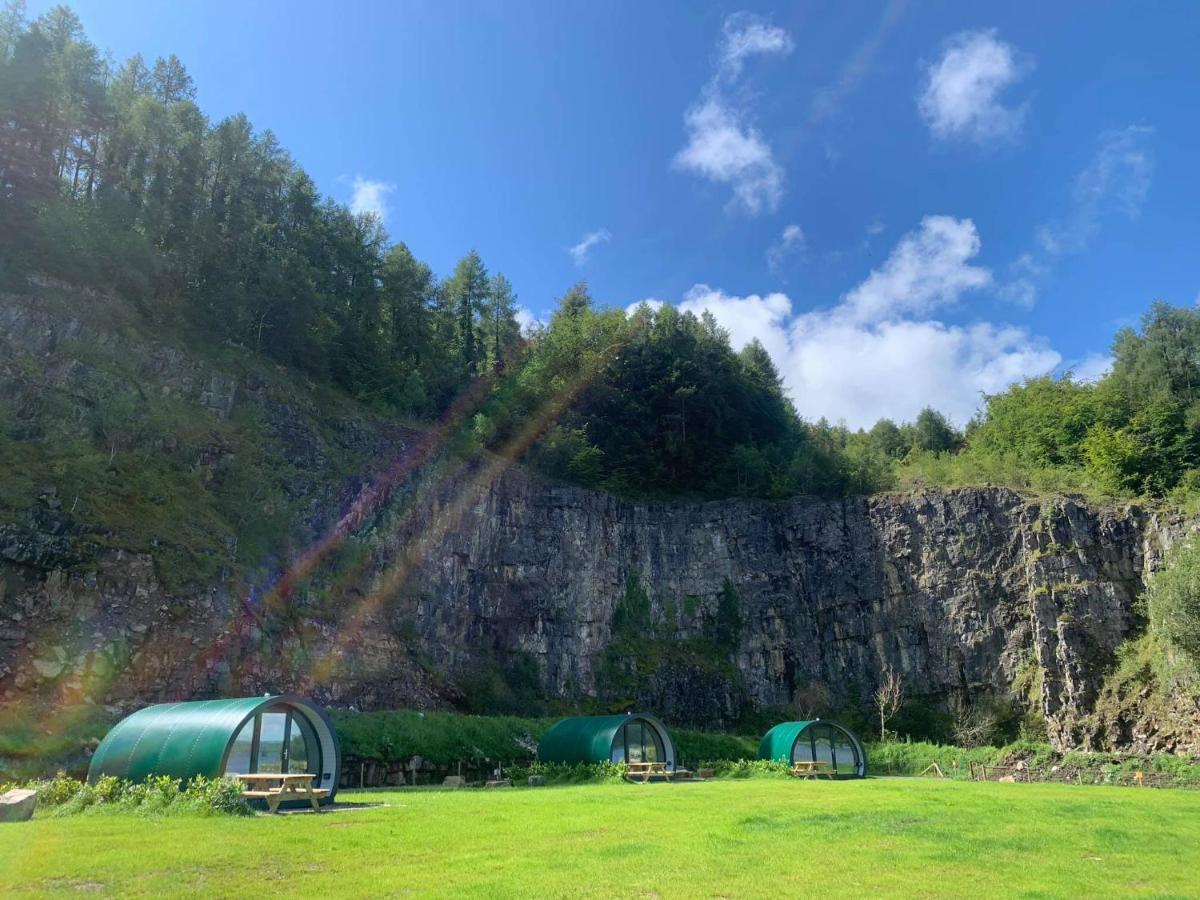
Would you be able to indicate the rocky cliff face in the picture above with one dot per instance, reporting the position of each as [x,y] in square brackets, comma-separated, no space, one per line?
[404,577]
[960,592]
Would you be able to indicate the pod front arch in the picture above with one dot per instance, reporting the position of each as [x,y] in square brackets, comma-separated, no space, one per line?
[631,738]
[816,740]
[213,738]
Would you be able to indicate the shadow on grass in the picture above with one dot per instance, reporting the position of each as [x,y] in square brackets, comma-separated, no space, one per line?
[331,808]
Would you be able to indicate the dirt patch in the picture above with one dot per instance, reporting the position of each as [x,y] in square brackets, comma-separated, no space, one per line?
[71,884]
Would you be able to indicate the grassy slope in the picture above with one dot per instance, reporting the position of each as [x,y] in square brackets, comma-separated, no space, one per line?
[155,473]
[757,838]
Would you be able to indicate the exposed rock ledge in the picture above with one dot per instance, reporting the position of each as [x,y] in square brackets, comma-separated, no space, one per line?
[958,591]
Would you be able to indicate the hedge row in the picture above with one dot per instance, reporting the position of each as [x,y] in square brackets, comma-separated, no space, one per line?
[695,747]
[28,749]
[1042,762]
[561,773]
[443,738]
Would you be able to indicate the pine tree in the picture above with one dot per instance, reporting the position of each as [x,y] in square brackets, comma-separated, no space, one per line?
[172,83]
[503,330]
[467,289]
[574,301]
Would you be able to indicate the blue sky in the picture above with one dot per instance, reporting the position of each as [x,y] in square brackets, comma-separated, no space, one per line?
[907,203]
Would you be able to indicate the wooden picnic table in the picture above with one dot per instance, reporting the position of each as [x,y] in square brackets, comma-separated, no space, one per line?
[275,787]
[646,770]
[810,768]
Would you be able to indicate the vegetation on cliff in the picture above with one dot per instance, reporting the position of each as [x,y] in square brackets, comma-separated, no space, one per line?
[1133,433]
[1173,602]
[112,177]
[1151,698]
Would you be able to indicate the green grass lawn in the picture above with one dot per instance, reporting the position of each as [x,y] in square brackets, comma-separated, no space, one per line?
[893,836]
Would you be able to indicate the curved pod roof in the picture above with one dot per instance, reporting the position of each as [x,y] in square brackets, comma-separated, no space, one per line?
[590,738]
[780,743]
[192,738]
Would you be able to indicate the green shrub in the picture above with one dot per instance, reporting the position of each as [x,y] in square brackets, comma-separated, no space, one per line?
[1173,598]
[749,768]
[591,773]
[912,758]
[110,789]
[903,758]
[57,790]
[158,795]
[565,773]
[503,688]
[220,796]
[969,468]
[694,746]
[393,736]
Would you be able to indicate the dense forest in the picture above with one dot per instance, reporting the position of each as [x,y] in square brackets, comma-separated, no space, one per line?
[111,177]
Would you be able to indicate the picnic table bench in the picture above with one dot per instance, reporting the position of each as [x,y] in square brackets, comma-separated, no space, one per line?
[647,770]
[276,787]
[802,768]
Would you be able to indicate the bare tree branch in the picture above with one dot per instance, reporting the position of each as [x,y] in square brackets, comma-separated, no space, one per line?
[888,698]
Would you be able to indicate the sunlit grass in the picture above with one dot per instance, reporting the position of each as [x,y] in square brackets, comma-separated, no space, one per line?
[947,471]
[905,837]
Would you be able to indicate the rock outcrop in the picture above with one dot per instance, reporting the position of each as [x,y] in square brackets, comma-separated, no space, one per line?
[958,591]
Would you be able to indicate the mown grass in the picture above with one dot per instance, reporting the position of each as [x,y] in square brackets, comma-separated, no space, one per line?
[896,837]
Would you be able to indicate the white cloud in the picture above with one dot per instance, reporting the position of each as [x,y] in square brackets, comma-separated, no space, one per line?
[527,321]
[1115,182]
[927,269]
[962,89]
[723,149]
[745,318]
[368,196]
[722,145]
[745,35]
[1021,284]
[1119,174]
[790,242]
[872,354]
[1091,368]
[862,372]
[651,302]
[580,251]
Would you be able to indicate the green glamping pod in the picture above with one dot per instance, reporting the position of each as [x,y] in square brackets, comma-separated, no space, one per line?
[816,741]
[592,739]
[222,737]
